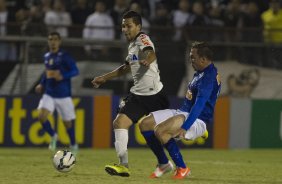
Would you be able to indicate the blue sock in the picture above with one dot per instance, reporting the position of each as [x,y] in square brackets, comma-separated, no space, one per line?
[71,133]
[47,127]
[155,146]
[174,153]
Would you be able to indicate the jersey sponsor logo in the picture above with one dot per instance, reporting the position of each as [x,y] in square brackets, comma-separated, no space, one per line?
[51,61]
[133,57]
[189,94]
[144,40]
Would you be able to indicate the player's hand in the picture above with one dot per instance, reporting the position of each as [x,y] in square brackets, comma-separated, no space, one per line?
[182,133]
[97,81]
[145,63]
[39,88]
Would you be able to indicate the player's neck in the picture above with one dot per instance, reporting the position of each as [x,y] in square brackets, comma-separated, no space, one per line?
[205,66]
[54,51]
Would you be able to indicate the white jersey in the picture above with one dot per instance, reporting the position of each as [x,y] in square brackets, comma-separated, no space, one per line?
[146,79]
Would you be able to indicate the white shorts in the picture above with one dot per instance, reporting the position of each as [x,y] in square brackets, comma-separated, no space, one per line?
[196,130]
[64,106]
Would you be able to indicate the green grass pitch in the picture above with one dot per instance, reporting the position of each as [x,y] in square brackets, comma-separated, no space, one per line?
[34,165]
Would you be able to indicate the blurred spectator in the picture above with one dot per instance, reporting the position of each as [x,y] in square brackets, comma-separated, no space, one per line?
[3,17]
[197,23]
[99,26]
[116,13]
[7,50]
[217,23]
[79,14]
[58,19]
[250,26]
[272,19]
[180,18]
[34,25]
[162,30]
[231,20]
[145,23]
[13,6]
[152,4]
[144,7]
[46,5]
[231,17]
[215,14]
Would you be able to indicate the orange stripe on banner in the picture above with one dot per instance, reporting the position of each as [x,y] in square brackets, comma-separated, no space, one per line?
[221,123]
[102,121]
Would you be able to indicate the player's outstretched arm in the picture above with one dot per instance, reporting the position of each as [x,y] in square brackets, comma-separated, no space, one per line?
[122,70]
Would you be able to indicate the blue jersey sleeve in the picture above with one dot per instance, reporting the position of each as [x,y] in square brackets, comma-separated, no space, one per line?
[72,68]
[204,91]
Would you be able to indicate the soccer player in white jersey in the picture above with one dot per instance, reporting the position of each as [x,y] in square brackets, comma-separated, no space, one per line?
[60,67]
[146,95]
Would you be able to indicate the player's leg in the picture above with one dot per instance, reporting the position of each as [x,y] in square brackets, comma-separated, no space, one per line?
[70,126]
[66,110]
[166,131]
[121,125]
[147,126]
[45,107]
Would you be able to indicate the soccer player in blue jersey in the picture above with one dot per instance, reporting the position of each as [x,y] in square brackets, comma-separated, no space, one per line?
[189,121]
[60,67]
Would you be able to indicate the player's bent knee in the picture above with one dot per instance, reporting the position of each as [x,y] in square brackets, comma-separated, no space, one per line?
[68,124]
[147,124]
[42,118]
[116,124]
[121,123]
[160,135]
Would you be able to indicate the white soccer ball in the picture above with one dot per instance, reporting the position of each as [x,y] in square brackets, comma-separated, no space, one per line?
[64,161]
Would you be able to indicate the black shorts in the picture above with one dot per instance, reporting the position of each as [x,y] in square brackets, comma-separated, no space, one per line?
[137,106]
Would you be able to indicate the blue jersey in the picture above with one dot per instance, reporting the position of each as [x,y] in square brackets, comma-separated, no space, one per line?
[66,64]
[201,96]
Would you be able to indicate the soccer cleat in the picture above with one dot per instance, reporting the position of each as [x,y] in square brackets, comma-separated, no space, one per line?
[181,173]
[117,170]
[53,143]
[74,149]
[162,169]
[205,135]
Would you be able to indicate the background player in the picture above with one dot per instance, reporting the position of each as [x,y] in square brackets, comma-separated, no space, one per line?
[188,122]
[145,95]
[56,85]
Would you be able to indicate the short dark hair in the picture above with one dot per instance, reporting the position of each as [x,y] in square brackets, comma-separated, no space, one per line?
[134,15]
[203,49]
[54,34]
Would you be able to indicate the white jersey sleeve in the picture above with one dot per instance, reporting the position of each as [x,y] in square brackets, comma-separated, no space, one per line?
[144,42]
[146,79]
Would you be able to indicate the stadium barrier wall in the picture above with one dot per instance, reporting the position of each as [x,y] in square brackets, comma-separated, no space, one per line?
[238,123]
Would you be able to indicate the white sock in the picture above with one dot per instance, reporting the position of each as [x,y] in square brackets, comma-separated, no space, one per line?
[121,141]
